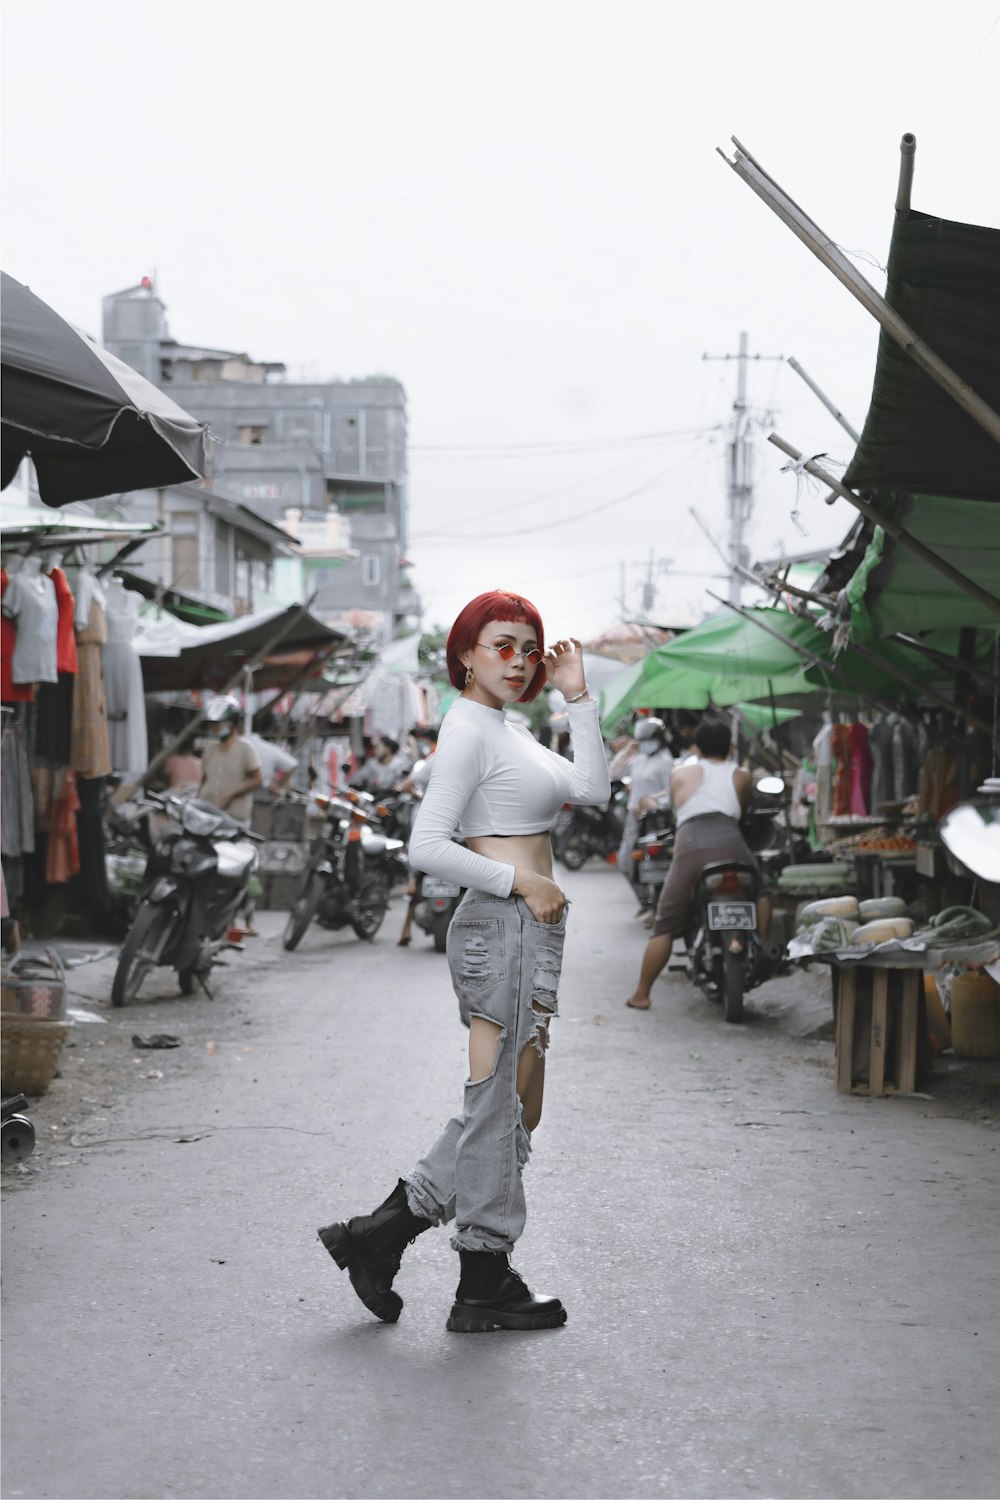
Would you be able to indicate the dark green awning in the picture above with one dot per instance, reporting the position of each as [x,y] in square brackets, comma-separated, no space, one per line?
[944,279]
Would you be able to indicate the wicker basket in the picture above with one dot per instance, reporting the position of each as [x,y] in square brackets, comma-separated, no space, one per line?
[30,1047]
[34,984]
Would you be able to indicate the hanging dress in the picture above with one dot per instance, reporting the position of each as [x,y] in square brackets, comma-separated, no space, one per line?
[123,689]
[861,769]
[840,744]
[90,747]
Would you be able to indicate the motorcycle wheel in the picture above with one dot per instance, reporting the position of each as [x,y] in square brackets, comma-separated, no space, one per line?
[186,980]
[302,914]
[139,952]
[573,854]
[371,906]
[441,925]
[732,987]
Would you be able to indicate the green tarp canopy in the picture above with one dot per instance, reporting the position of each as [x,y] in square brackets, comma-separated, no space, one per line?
[894,589]
[733,659]
[922,459]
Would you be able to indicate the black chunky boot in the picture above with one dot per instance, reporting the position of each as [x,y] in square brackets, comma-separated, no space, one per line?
[370,1247]
[492,1295]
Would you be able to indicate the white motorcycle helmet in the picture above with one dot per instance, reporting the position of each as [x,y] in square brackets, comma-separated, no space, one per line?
[650,735]
[225,711]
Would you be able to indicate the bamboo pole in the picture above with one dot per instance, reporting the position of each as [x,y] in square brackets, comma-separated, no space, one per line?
[907,151]
[825,250]
[898,533]
[186,733]
[834,411]
[943,659]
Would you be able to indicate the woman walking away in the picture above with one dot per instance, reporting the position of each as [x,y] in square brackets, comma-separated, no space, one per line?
[502,790]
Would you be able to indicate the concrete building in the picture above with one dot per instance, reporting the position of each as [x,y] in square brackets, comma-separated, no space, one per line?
[294,453]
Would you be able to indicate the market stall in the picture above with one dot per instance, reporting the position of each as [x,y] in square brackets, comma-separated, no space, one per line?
[74,711]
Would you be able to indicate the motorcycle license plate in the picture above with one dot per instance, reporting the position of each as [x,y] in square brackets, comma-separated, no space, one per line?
[652,873]
[439,888]
[724,916]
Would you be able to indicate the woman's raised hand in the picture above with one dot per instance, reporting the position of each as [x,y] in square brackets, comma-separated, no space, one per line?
[564,668]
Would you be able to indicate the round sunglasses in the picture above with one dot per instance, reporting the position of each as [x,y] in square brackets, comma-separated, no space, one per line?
[507,653]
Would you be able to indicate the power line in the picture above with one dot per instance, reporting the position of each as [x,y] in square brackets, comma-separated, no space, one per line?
[562,521]
[502,510]
[584,445]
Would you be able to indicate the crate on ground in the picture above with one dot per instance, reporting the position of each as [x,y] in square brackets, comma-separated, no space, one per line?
[288,820]
[280,858]
[279,891]
[29,1052]
[34,984]
[880,1038]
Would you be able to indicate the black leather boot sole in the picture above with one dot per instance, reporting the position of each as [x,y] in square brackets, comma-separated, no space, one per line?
[383,1302]
[466,1319]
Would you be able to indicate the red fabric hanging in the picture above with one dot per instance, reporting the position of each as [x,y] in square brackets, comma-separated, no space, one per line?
[840,745]
[861,769]
[10,691]
[66,637]
[63,861]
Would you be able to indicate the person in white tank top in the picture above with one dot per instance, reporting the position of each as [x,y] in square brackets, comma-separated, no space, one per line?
[710,792]
[717,792]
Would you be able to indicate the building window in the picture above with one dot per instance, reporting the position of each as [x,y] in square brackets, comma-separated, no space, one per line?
[252,436]
[370,570]
[185,550]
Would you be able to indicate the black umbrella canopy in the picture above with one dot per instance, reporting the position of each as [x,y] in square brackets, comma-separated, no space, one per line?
[91,425]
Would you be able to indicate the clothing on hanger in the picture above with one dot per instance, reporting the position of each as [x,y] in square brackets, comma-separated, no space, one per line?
[123,687]
[841,744]
[10,691]
[883,779]
[66,660]
[90,748]
[30,600]
[861,769]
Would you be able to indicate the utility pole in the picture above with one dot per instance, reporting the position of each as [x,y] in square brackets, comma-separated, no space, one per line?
[740,470]
[651,568]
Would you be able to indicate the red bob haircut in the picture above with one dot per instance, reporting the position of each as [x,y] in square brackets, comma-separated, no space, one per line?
[498,605]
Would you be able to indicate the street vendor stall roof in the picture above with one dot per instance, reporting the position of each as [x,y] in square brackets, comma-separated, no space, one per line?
[753,656]
[26,523]
[210,654]
[944,279]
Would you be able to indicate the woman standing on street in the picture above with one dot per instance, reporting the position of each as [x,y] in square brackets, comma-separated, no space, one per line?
[494,782]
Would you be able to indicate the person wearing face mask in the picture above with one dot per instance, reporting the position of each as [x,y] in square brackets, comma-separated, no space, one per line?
[649,774]
[230,766]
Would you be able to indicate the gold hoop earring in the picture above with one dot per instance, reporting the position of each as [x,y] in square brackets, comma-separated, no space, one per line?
[469,678]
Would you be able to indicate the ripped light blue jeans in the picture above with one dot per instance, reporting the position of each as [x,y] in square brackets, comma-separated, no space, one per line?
[505,967]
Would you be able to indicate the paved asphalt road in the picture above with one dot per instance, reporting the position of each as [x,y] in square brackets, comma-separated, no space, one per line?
[772,1290]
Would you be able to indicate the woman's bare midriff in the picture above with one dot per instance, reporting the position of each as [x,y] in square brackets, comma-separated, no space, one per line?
[525,851]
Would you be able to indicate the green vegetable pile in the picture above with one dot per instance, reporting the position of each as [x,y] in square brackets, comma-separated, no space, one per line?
[958,924]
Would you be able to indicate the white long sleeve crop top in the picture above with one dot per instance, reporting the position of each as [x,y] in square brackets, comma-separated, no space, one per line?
[493,777]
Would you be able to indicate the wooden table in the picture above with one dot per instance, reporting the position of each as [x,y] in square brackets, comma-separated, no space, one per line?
[877,1023]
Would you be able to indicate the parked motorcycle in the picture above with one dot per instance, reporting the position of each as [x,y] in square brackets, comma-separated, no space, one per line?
[196,881]
[17,1133]
[349,875]
[590,831]
[652,855]
[725,957]
[437,905]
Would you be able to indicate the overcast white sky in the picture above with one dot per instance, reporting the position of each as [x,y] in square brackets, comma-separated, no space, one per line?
[516,209]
